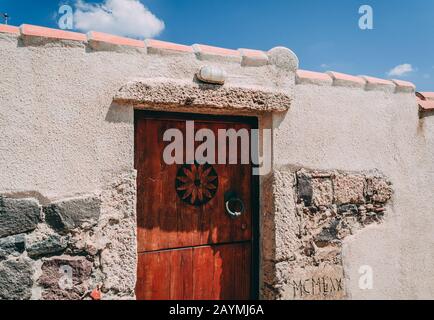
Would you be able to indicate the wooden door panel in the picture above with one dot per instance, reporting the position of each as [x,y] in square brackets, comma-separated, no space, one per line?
[199,273]
[164,220]
[190,251]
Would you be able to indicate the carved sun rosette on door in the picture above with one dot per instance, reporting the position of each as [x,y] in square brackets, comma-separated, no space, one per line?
[196,184]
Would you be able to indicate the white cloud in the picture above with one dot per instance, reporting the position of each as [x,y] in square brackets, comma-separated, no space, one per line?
[325,66]
[401,70]
[128,18]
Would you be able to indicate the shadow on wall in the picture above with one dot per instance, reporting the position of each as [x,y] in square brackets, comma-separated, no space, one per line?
[120,114]
[426,114]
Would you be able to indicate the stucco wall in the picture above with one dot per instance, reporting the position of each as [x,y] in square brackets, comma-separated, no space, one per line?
[351,129]
[57,109]
[63,136]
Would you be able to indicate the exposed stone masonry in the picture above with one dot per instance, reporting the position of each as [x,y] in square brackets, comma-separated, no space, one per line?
[306,219]
[69,248]
[333,205]
[327,207]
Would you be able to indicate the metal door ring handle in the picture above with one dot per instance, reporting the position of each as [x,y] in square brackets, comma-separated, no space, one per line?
[235,214]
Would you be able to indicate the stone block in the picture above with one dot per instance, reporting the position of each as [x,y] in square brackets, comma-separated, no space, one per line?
[327,234]
[304,188]
[12,245]
[65,278]
[322,192]
[46,245]
[69,214]
[325,282]
[348,209]
[16,279]
[18,216]
[378,190]
[349,189]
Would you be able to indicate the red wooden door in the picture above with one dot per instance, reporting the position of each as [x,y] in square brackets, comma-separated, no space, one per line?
[189,246]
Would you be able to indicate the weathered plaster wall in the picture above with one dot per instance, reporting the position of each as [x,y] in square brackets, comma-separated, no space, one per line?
[57,108]
[351,129]
[72,248]
[314,212]
[65,138]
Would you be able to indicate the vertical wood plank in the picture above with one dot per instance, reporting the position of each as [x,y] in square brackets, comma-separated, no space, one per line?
[185,251]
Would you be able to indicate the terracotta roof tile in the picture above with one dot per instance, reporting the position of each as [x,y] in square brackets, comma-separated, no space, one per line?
[216,50]
[4,28]
[377,81]
[426,105]
[425,101]
[403,83]
[29,30]
[341,79]
[252,57]
[158,45]
[425,95]
[305,76]
[373,83]
[116,40]
[404,86]
[204,52]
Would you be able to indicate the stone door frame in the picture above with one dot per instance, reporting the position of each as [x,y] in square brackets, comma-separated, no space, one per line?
[179,96]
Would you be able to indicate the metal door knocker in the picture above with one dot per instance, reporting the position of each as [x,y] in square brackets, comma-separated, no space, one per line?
[234,205]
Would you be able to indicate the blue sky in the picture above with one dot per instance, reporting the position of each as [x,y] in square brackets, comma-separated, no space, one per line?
[323,33]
